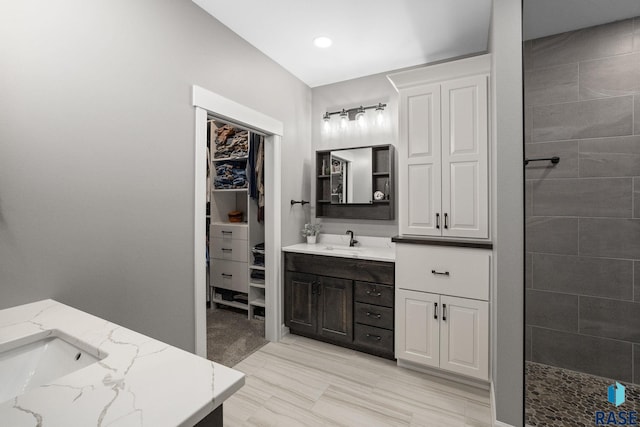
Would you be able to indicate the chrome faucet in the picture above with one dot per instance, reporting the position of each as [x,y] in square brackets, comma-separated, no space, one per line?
[352,241]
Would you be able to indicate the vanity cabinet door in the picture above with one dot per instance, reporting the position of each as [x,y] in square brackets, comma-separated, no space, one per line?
[335,309]
[464,343]
[417,327]
[300,302]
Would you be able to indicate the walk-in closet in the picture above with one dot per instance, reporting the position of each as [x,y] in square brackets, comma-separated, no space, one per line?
[236,270]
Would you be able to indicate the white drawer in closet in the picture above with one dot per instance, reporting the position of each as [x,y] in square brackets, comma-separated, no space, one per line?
[229,249]
[460,272]
[229,231]
[232,275]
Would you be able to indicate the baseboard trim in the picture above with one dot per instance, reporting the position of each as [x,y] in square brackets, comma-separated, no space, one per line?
[284,330]
[484,385]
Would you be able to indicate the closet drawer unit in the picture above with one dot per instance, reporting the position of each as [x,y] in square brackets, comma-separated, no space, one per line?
[232,275]
[460,272]
[228,249]
[374,315]
[377,339]
[229,231]
[374,293]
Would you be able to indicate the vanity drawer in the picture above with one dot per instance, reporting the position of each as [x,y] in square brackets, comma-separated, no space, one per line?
[374,293]
[232,275]
[374,315]
[229,249]
[461,272]
[229,231]
[376,339]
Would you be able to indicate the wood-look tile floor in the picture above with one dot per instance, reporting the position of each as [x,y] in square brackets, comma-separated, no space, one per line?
[303,382]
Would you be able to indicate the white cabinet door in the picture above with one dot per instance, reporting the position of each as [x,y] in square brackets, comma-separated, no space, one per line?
[465,187]
[419,150]
[464,336]
[416,327]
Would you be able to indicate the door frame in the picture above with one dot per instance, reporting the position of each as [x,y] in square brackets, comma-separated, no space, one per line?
[206,102]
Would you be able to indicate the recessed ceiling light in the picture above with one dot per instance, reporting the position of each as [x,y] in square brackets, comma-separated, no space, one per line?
[322,42]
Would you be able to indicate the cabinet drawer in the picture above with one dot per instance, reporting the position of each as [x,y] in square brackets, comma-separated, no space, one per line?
[374,293]
[228,249]
[378,339]
[229,231]
[373,315]
[230,275]
[459,272]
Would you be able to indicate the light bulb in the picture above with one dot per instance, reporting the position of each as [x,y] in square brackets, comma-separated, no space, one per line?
[344,118]
[379,116]
[327,126]
[360,119]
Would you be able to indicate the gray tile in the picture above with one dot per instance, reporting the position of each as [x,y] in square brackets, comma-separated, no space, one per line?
[603,277]
[543,86]
[616,156]
[528,198]
[593,197]
[611,76]
[584,119]
[527,62]
[566,150]
[636,364]
[594,42]
[528,124]
[612,238]
[528,270]
[636,115]
[636,281]
[636,197]
[608,318]
[552,235]
[593,355]
[551,310]
[527,343]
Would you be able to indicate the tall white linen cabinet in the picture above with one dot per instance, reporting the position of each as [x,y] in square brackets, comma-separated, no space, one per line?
[443,258]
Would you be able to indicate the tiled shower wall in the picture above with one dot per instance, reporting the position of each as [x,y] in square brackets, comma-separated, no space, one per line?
[582,96]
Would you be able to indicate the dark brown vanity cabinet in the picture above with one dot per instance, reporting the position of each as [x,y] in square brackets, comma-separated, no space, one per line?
[343,301]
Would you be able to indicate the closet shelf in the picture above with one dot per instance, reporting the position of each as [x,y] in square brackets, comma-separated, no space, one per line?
[230,159]
[258,303]
[257,285]
[257,267]
[228,190]
[240,224]
[381,174]
[231,303]
[324,176]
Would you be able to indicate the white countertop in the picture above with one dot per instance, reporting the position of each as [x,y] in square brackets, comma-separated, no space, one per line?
[370,248]
[140,382]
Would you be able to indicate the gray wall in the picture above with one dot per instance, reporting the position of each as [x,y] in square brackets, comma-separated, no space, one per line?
[507,294]
[97,158]
[348,94]
[583,231]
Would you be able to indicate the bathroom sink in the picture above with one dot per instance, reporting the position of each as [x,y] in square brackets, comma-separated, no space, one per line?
[344,249]
[37,363]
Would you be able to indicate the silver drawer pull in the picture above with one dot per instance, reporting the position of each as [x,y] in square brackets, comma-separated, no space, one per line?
[438,273]
[376,315]
[374,294]
[227,275]
[226,250]
[377,337]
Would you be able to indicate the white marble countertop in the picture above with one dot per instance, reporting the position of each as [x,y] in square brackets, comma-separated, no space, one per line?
[139,381]
[371,248]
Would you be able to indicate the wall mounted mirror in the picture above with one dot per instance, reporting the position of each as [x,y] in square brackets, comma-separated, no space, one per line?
[351,176]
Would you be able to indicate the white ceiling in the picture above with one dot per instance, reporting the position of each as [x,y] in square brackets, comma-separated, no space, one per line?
[369,36]
[545,17]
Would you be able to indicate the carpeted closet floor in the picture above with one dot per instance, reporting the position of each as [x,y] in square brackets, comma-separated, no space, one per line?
[231,337]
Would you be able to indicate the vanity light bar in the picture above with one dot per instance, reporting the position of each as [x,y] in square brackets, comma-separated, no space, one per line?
[353,113]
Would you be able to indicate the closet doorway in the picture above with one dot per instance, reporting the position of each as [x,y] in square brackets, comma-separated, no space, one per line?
[212,109]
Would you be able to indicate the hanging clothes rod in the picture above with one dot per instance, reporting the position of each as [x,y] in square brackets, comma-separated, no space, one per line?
[302,202]
[555,160]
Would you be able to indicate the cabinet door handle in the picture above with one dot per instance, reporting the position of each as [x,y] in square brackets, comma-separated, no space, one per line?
[444,312]
[227,275]
[318,286]
[377,337]
[226,232]
[439,273]
[226,250]
[446,220]
[313,288]
[438,221]
[374,293]
[435,310]
[376,315]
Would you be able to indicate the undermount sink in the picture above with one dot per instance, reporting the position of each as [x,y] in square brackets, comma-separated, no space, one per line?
[37,363]
[338,248]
